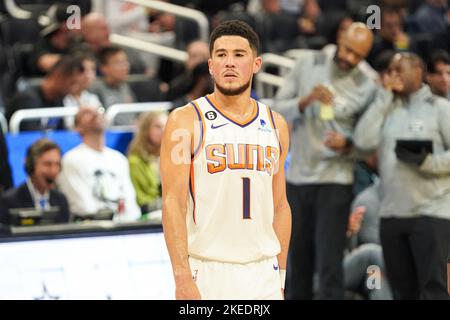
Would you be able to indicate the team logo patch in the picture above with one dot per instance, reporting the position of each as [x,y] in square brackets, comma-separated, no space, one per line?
[211,115]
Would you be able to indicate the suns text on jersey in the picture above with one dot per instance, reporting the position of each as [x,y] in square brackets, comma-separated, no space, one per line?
[221,157]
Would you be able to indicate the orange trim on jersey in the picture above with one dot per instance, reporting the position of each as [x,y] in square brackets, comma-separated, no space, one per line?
[244,123]
[201,143]
[192,188]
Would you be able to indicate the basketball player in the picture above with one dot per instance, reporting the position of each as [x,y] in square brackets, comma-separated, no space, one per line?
[227,222]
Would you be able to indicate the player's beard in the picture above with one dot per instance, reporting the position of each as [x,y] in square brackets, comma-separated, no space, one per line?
[234,91]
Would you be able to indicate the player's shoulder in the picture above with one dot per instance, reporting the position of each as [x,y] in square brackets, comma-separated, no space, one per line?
[277,118]
[182,116]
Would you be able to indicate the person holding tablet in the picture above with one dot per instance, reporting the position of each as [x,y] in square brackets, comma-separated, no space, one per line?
[409,127]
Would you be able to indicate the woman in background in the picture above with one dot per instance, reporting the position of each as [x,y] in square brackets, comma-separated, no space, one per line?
[143,158]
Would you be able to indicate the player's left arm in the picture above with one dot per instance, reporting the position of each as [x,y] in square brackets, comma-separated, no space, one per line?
[282,211]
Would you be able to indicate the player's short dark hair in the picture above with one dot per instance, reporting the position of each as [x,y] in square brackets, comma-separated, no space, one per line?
[436,57]
[235,28]
[107,53]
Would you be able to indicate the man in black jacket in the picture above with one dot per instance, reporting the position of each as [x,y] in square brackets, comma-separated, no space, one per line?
[42,164]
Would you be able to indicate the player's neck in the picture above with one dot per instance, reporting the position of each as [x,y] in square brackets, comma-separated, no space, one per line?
[240,106]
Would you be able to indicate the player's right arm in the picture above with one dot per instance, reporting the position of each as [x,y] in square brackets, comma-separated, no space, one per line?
[176,150]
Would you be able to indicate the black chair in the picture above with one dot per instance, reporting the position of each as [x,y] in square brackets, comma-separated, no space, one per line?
[19,31]
[145,88]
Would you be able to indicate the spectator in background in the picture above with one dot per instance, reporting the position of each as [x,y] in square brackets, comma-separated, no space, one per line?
[198,51]
[322,95]
[438,73]
[56,39]
[81,96]
[363,262]
[62,79]
[5,169]
[415,197]
[392,35]
[96,31]
[42,165]
[309,18]
[94,177]
[338,27]
[115,69]
[143,158]
[442,40]
[123,16]
[112,87]
[341,25]
[431,16]
[200,84]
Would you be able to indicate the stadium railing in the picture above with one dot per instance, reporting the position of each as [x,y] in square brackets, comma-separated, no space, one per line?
[3,123]
[39,113]
[188,13]
[117,109]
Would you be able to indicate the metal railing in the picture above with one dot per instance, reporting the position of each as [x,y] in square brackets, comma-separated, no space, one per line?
[270,59]
[163,51]
[39,113]
[3,123]
[123,108]
[266,84]
[15,11]
[296,53]
[180,11]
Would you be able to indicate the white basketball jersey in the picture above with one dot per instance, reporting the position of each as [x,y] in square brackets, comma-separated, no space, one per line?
[230,217]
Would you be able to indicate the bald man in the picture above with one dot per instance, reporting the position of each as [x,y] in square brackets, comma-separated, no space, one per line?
[414,184]
[321,98]
[96,31]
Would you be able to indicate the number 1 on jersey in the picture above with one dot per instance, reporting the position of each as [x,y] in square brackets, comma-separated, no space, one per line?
[246,198]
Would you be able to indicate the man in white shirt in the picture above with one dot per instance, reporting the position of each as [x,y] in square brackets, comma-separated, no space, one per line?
[95,177]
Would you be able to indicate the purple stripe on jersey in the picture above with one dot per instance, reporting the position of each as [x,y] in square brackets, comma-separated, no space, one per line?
[275,129]
[197,149]
[231,120]
[193,199]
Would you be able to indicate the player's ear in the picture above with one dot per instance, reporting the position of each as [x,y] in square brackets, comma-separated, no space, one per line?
[209,66]
[257,64]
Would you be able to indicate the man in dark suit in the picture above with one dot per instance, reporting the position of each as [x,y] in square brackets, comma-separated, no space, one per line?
[42,164]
